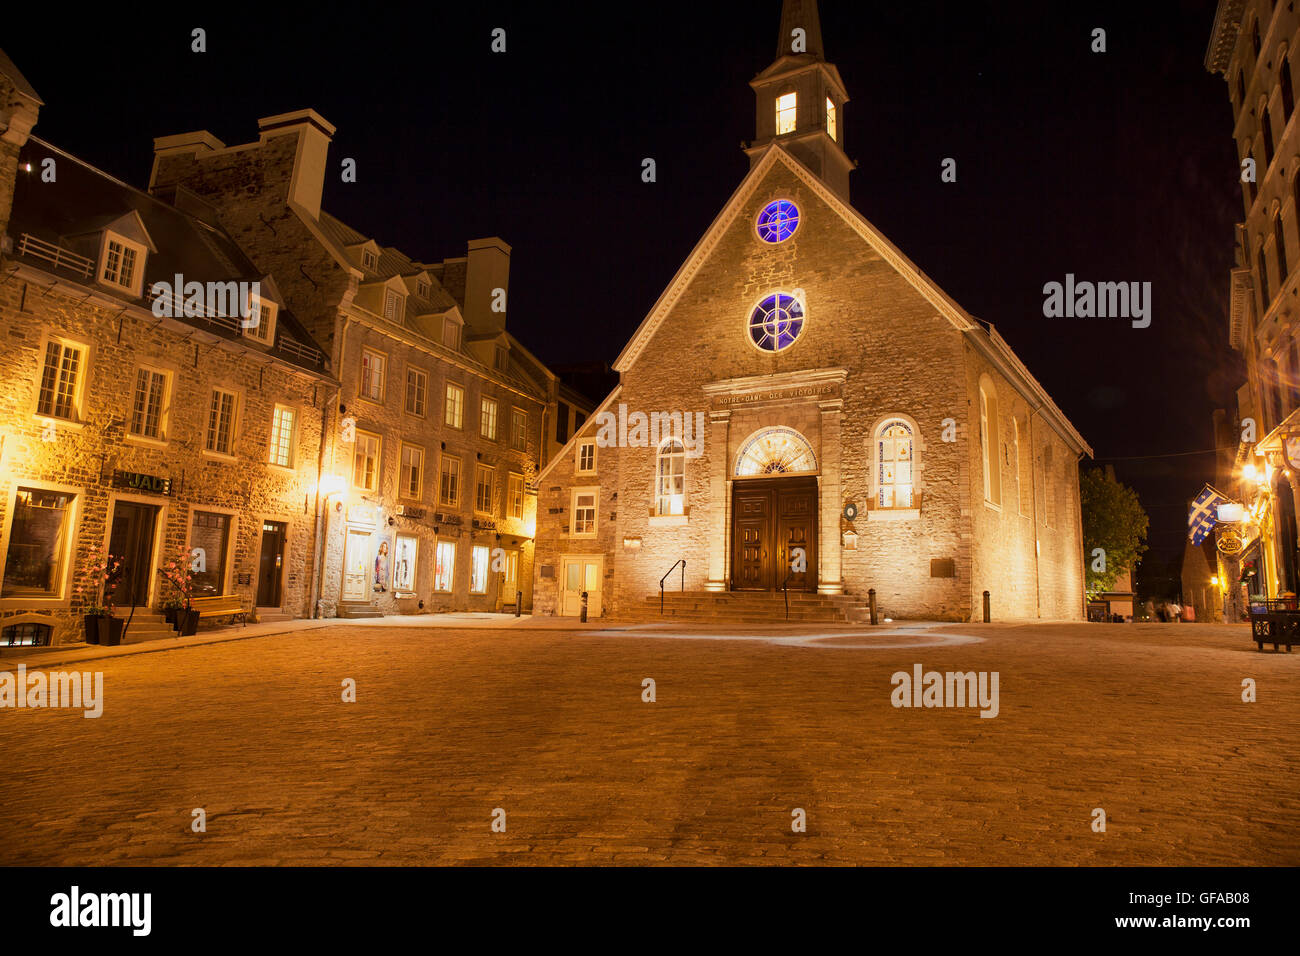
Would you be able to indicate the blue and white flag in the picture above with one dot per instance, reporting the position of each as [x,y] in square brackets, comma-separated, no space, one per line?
[1202,517]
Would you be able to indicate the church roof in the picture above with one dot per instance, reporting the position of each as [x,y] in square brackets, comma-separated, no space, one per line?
[987,341]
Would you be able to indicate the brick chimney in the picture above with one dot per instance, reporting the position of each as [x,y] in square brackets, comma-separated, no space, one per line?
[487,270]
[19,108]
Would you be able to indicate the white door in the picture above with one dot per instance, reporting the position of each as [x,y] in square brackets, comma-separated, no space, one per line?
[581,574]
[510,582]
[356,566]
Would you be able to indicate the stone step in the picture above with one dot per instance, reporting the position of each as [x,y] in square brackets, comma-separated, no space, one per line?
[359,611]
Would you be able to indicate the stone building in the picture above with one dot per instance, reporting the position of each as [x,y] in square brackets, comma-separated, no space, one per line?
[1252,44]
[804,408]
[443,417]
[140,420]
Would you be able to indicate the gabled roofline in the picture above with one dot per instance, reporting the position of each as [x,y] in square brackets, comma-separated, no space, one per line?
[578,433]
[1016,372]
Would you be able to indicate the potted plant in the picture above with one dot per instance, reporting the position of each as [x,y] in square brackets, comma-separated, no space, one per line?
[110,627]
[93,574]
[171,608]
[178,574]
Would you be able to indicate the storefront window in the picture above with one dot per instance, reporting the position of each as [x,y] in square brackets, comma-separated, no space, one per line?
[38,543]
[209,535]
[404,556]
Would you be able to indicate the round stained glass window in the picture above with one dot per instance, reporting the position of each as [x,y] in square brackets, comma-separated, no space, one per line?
[776,323]
[778,221]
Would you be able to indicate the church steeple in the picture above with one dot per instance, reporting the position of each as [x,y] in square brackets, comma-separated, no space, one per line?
[801,99]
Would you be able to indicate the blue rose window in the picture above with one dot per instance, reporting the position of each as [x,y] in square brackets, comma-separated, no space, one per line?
[778,221]
[776,323]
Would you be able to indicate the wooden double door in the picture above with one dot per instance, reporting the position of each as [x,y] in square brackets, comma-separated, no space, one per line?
[774,534]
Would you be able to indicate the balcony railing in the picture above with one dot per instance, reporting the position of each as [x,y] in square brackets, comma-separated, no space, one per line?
[60,258]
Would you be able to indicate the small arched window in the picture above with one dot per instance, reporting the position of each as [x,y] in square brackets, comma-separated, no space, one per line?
[895,464]
[1279,241]
[670,479]
[1262,265]
[989,433]
[1284,81]
[1266,132]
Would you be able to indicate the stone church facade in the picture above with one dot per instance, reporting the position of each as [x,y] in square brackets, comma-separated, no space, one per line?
[804,408]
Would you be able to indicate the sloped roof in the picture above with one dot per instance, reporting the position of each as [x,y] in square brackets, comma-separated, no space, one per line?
[16,77]
[992,346]
[88,199]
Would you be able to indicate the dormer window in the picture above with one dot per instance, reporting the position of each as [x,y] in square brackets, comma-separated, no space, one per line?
[369,260]
[450,333]
[502,358]
[123,263]
[393,306]
[259,323]
[830,118]
[422,290]
[786,108]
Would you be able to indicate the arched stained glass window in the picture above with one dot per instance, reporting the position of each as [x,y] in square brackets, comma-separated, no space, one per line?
[776,451]
[894,458]
[778,221]
[776,323]
[670,479]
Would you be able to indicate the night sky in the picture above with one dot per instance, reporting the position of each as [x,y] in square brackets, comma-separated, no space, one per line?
[1115,167]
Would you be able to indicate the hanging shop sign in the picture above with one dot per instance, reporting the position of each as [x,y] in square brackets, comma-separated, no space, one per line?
[1230,541]
[138,482]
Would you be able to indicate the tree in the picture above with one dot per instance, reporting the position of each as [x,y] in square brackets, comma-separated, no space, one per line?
[1114,529]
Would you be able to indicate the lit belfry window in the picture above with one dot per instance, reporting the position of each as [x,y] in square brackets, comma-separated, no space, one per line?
[830,118]
[894,459]
[786,110]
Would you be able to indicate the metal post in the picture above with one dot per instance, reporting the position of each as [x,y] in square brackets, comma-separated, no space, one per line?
[519,602]
[986,607]
[583,618]
[871,600]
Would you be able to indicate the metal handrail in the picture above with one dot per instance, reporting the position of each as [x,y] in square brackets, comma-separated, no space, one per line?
[786,592]
[682,562]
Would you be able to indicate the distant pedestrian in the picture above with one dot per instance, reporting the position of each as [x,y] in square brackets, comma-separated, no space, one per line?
[1150,609]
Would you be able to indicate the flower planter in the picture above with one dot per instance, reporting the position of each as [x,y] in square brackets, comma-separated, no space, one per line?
[91,624]
[110,630]
[187,622]
[169,614]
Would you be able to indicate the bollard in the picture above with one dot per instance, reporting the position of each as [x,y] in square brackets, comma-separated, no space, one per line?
[519,602]
[986,607]
[871,600]
[583,618]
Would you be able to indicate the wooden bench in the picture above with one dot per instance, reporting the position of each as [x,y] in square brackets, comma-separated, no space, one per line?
[227,605]
[1275,622]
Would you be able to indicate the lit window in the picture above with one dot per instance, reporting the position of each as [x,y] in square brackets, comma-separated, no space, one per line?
[405,550]
[449,482]
[210,533]
[830,117]
[393,306]
[515,497]
[488,419]
[775,451]
[778,221]
[478,569]
[147,404]
[894,459]
[446,566]
[417,387]
[372,375]
[365,462]
[586,457]
[221,421]
[451,333]
[584,513]
[483,490]
[989,437]
[60,380]
[519,429]
[121,259]
[455,406]
[785,113]
[38,543]
[282,422]
[412,472]
[776,323]
[670,479]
